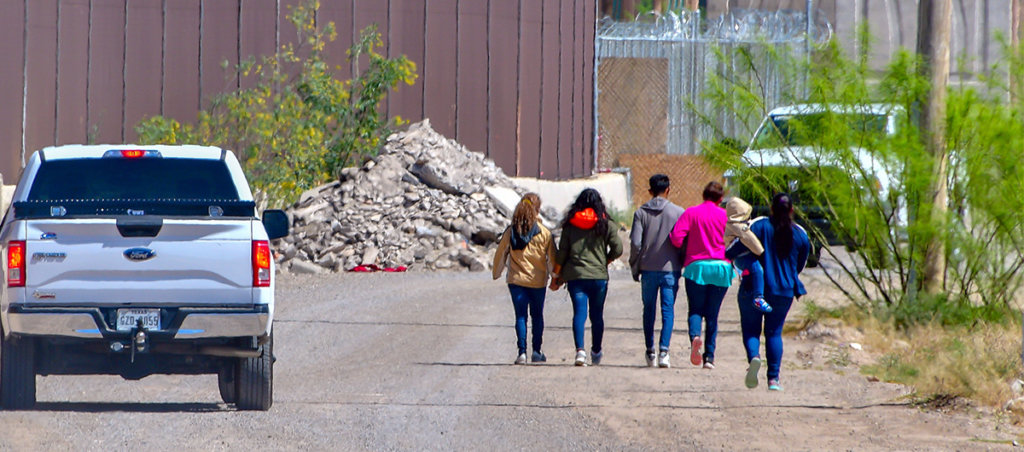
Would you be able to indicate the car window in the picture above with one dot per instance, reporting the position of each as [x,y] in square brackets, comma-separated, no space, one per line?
[814,130]
[133,179]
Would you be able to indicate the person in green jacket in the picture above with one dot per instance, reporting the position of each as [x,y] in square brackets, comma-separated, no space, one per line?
[588,244]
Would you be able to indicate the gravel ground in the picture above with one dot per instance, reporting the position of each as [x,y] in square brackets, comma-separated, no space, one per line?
[422,361]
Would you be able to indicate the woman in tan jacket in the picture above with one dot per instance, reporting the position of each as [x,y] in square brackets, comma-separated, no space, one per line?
[529,251]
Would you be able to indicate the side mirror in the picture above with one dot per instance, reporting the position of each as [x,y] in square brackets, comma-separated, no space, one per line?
[276,223]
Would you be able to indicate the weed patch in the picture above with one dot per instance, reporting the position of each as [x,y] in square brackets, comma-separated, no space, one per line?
[954,351]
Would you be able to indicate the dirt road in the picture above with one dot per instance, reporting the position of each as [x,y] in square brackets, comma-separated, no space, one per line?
[422,361]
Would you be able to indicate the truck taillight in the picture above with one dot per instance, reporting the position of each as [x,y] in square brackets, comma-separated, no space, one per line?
[260,263]
[16,263]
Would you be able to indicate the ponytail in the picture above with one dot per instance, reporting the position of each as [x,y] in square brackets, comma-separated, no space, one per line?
[782,222]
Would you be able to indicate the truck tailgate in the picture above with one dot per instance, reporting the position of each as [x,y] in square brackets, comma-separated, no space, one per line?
[87,262]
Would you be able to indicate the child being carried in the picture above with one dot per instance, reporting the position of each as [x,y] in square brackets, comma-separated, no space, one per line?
[737,233]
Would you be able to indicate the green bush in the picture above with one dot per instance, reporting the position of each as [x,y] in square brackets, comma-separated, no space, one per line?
[891,227]
[298,126]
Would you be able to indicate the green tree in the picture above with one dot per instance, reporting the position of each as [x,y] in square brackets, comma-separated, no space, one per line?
[299,125]
[890,221]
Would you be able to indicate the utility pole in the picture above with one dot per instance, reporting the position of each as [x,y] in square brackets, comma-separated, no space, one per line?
[1015,17]
[934,21]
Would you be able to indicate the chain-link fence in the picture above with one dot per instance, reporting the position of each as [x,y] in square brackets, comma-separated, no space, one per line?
[652,74]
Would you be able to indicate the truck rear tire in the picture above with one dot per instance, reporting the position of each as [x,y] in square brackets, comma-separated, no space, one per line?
[227,383]
[17,373]
[255,379]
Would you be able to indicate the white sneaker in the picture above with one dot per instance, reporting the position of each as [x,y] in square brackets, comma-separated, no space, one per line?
[521,359]
[663,360]
[581,358]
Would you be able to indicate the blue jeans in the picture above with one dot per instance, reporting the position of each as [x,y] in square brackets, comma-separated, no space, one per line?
[754,279]
[651,284]
[751,321]
[705,302]
[588,293]
[523,299]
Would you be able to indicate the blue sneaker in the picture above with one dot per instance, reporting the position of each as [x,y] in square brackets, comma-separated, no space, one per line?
[773,385]
[762,305]
[539,357]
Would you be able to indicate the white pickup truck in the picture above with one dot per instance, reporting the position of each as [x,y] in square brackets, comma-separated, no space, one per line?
[134,261]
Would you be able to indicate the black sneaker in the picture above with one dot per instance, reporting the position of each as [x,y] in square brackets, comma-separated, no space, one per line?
[538,357]
[709,363]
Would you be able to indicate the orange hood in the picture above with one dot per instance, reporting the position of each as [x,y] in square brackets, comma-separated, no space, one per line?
[584,219]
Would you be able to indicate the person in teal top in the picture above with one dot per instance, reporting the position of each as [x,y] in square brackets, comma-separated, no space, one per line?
[588,244]
[700,232]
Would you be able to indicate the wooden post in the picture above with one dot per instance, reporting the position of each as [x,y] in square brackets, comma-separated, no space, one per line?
[933,42]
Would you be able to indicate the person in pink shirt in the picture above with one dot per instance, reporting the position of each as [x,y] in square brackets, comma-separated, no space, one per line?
[699,232]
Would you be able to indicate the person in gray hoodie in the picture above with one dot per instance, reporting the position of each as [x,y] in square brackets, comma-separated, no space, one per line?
[656,264]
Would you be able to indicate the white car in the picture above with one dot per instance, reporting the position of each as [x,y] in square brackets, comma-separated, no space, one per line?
[787,139]
[134,261]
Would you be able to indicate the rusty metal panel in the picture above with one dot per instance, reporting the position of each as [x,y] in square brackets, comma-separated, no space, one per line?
[41,73]
[364,14]
[367,12]
[406,29]
[340,13]
[528,119]
[181,60]
[288,34]
[502,86]
[12,47]
[589,25]
[72,65]
[258,33]
[219,41]
[143,63]
[579,52]
[438,73]
[106,71]
[566,101]
[549,91]
[471,122]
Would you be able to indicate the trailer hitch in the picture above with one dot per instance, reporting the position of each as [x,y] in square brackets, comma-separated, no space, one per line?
[140,340]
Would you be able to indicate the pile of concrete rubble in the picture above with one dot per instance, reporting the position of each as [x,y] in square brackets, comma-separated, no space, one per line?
[425,202]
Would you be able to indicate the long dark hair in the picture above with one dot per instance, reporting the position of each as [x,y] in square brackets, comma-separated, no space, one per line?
[782,222]
[589,198]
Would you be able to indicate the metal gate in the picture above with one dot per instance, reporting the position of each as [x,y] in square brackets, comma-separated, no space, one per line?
[652,75]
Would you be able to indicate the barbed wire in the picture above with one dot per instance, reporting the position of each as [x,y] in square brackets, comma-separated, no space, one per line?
[739,25]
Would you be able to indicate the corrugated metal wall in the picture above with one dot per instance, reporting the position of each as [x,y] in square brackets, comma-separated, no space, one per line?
[509,78]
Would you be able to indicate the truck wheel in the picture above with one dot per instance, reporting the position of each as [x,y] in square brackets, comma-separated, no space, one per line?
[814,257]
[17,373]
[255,379]
[227,383]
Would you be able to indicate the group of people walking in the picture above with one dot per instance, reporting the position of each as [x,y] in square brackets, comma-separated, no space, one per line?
[705,246]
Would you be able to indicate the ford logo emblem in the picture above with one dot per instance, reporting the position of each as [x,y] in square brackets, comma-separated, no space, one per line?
[139,254]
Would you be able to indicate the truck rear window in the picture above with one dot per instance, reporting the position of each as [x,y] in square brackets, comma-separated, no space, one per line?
[134,179]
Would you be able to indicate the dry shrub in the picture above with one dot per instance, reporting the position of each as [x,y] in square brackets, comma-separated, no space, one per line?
[978,362]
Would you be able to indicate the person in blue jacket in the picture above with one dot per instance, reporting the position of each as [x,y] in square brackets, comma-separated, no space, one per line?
[786,246]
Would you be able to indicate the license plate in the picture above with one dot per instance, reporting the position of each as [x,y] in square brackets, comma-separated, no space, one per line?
[128,319]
